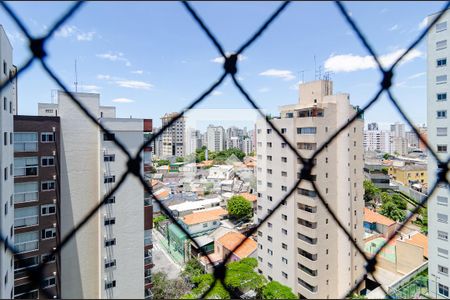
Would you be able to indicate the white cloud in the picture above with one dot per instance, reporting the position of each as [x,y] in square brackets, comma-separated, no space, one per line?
[221,60]
[103,77]
[122,100]
[417,75]
[284,74]
[89,88]
[115,56]
[295,86]
[216,93]
[395,27]
[423,23]
[264,90]
[351,62]
[73,31]
[16,36]
[140,72]
[134,84]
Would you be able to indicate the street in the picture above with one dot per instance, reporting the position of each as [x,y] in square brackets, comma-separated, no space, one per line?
[163,262]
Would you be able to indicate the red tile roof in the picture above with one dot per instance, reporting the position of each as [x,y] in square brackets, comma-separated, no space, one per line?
[374,217]
[232,239]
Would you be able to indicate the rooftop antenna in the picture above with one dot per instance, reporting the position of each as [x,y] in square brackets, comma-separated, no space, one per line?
[315,68]
[76,77]
[303,75]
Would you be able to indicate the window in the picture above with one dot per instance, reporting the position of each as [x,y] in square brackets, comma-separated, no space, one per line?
[48,258]
[441,131]
[25,141]
[284,159]
[147,237]
[110,179]
[441,26]
[284,246]
[306,146]
[47,161]
[109,157]
[440,45]
[26,216]
[5,138]
[10,107]
[441,96]
[269,238]
[5,67]
[48,233]
[306,192]
[110,284]
[443,290]
[205,225]
[268,223]
[6,209]
[284,217]
[442,148]
[269,265]
[27,241]
[307,130]
[47,186]
[259,130]
[284,188]
[269,131]
[47,137]
[26,192]
[110,242]
[48,209]
[442,235]
[48,282]
[442,218]
[283,130]
[441,79]
[442,200]
[269,144]
[283,173]
[442,270]
[5,101]
[110,221]
[269,198]
[269,184]
[110,264]
[441,62]
[443,252]
[441,114]
[5,173]
[284,231]
[284,275]
[269,171]
[260,233]
[26,263]
[269,157]
[270,252]
[25,166]
[111,200]
[284,260]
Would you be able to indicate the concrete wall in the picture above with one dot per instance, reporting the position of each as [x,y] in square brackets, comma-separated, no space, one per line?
[409,257]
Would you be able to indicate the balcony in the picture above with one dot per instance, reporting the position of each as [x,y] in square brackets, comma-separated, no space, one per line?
[310,256]
[312,112]
[312,289]
[308,224]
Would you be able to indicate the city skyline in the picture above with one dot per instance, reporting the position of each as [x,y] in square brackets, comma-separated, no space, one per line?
[130,78]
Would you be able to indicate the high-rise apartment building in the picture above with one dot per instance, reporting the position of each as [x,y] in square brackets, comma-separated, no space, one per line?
[438,107]
[173,138]
[36,203]
[300,245]
[372,138]
[108,257]
[8,100]
[215,138]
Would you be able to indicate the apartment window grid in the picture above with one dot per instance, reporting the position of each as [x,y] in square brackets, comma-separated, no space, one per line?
[230,66]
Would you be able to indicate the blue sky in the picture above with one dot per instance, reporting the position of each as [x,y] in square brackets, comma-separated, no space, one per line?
[148,58]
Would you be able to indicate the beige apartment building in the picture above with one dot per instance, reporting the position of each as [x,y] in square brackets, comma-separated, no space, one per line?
[300,245]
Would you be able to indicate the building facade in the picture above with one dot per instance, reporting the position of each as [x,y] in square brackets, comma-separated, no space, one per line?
[8,98]
[173,138]
[215,138]
[36,203]
[300,245]
[107,257]
[438,122]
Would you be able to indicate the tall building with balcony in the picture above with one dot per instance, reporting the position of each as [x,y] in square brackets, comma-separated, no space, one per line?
[215,138]
[8,100]
[173,138]
[107,258]
[36,203]
[438,123]
[300,245]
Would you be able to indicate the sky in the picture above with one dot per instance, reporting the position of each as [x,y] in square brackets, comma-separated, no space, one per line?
[149,58]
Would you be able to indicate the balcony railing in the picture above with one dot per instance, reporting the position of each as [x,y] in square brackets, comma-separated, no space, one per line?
[312,225]
[308,255]
[306,239]
[312,289]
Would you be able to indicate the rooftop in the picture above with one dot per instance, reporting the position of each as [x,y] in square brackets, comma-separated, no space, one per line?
[374,217]
[232,239]
[193,205]
[248,196]
[204,216]
[414,167]
[417,239]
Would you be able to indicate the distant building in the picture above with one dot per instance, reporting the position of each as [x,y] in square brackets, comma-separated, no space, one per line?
[410,174]
[173,138]
[215,138]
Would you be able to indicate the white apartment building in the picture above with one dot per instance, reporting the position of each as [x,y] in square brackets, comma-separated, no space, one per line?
[157,144]
[105,259]
[215,138]
[438,122]
[300,245]
[247,146]
[173,138]
[193,140]
[8,98]
[372,140]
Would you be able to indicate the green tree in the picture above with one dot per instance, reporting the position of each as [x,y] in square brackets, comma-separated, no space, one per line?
[239,207]
[192,269]
[371,192]
[241,276]
[386,156]
[179,159]
[390,210]
[275,290]
[163,162]
[399,201]
[202,284]
[159,219]
[164,288]
[384,170]
[253,153]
